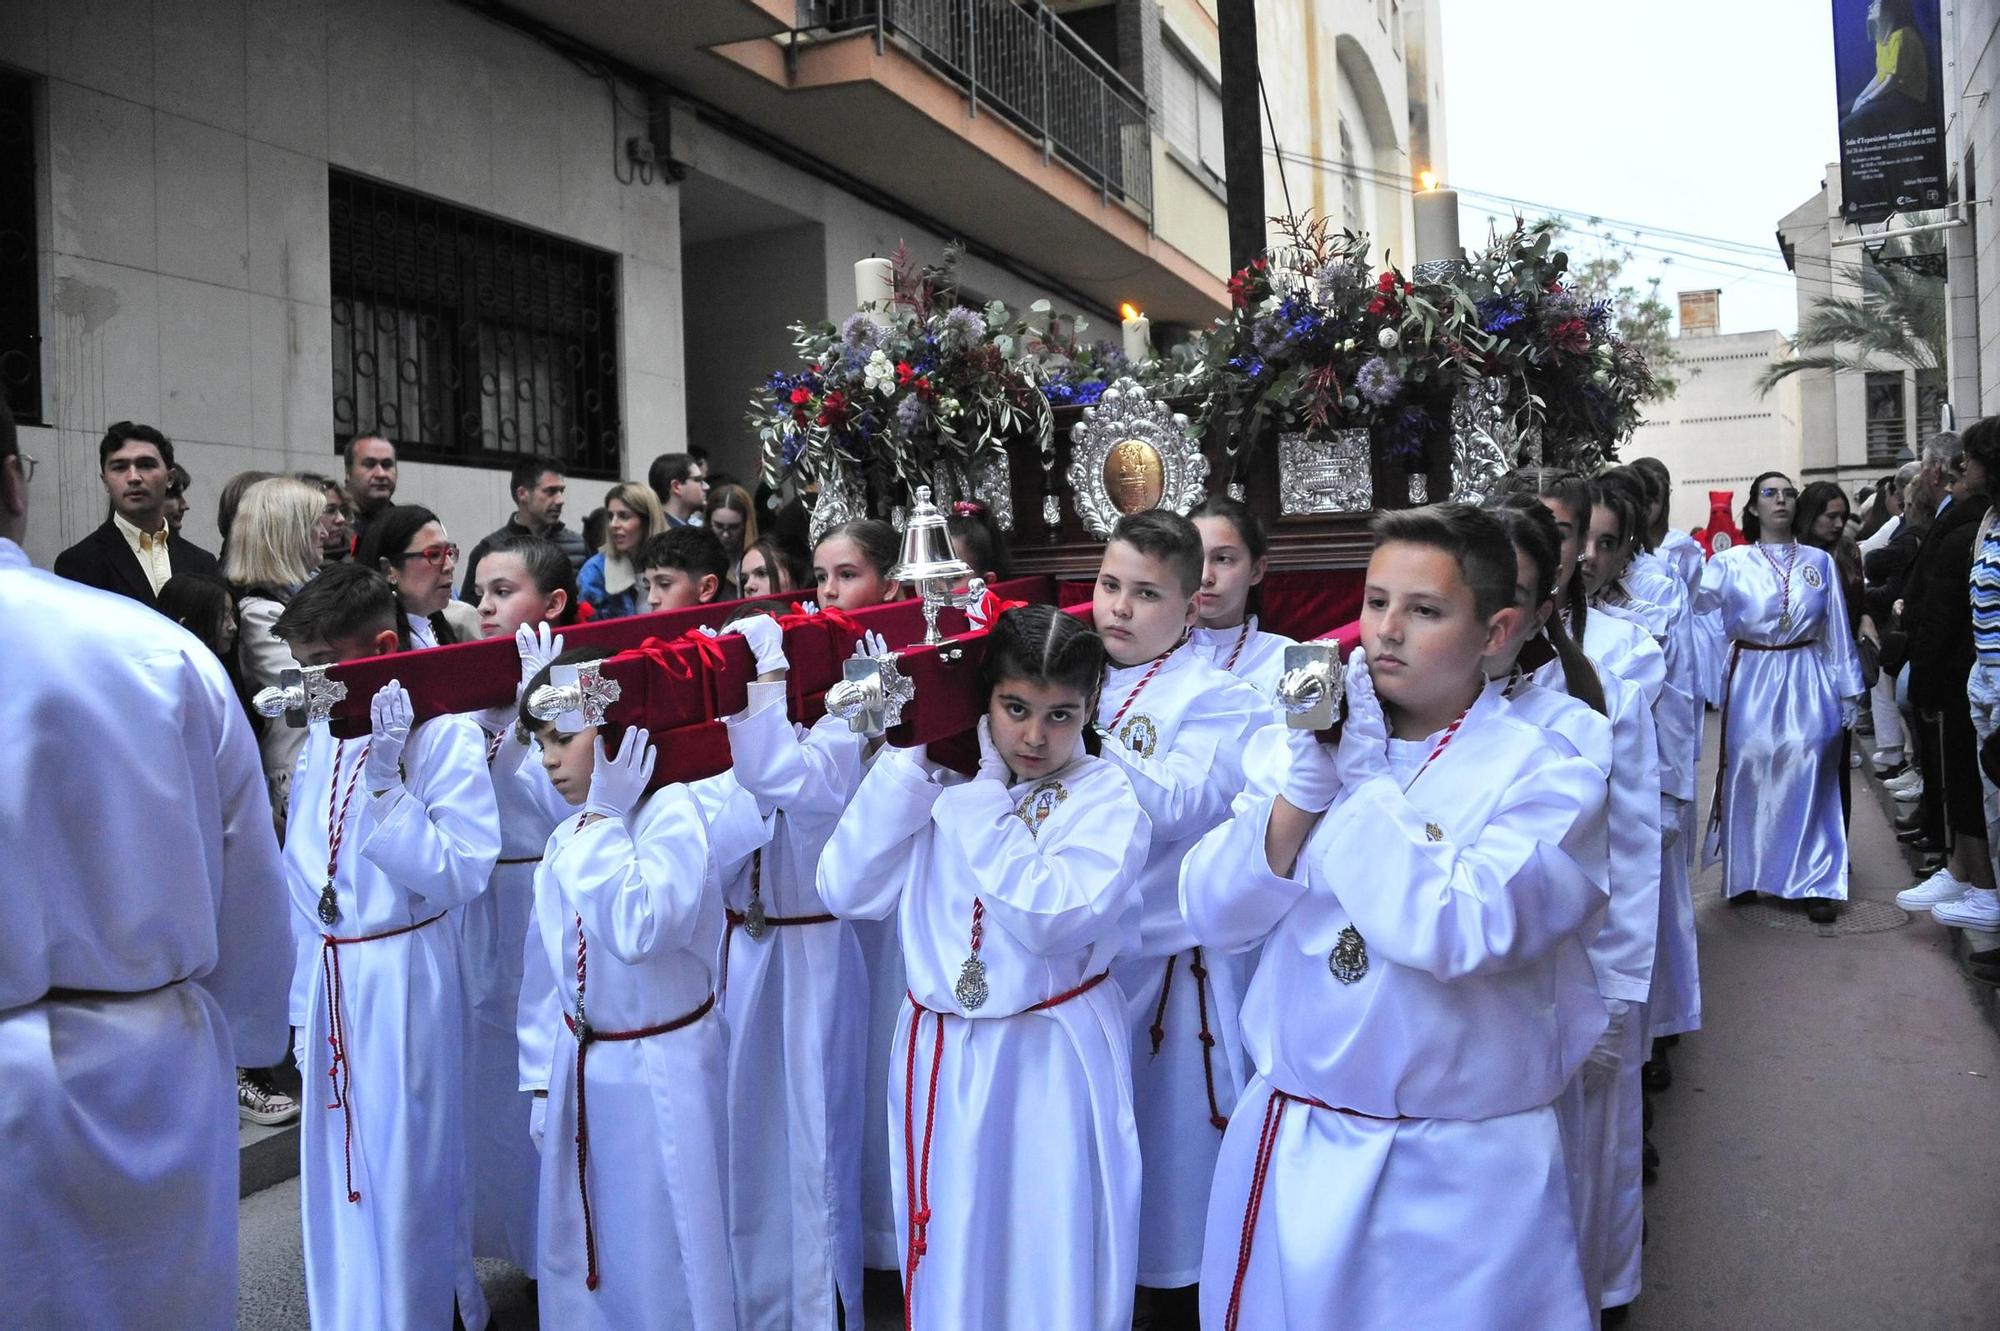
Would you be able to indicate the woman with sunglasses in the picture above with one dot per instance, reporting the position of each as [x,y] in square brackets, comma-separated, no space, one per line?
[1791,685]
[407,543]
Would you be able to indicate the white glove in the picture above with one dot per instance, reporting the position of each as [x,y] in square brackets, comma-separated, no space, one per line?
[1312,778]
[765,640]
[1364,735]
[389,718]
[808,607]
[538,1120]
[1607,1056]
[1850,712]
[978,614]
[537,646]
[991,764]
[618,784]
[872,644]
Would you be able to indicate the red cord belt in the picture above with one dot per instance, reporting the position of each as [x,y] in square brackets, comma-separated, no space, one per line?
[1158,1030]
[917,1168]
[341,1072]
[736,919]
[1736,650]
[586,1036]
[1267,1141]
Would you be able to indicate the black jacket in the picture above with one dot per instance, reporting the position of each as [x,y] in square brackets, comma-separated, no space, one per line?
[1937,604]
[102,559]
[569,542]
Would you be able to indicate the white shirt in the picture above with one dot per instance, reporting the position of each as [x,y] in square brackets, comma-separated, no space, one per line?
[149,548]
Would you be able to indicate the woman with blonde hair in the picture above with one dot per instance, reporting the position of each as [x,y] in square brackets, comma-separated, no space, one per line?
[733,519]
[607,582]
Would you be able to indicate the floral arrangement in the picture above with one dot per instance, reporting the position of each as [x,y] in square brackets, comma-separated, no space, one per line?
[898,394]
[1317,340]
[1070,370]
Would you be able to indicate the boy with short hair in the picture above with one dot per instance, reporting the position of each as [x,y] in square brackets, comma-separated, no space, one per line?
[619,971]
[1178,726]
[681,567]
[1424,992]
[386,835]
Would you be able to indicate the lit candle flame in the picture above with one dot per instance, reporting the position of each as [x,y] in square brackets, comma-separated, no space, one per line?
[1128,311]
[1429,180]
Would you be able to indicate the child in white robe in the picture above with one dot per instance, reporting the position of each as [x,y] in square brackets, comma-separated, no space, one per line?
[520,582]
[1424,994]
[386,835]
[1235,557]
[796,997]
[627,920]
[1179,727]
[1016,1161]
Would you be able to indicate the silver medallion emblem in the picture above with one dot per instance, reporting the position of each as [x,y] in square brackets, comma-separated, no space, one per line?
[329,904]
[971,987]
[754,921]
[1349,959]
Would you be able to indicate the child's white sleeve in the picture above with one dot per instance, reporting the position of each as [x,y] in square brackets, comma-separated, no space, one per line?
[539,1011]
[813,776]
[1623,951]
[1053,892]
[1229,896]
[1187,785]
[862,869]
[638,883]
[1454,909]
[438,834]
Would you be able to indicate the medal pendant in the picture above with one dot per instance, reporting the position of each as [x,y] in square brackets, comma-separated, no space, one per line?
[1349,959]
[329,905]
[754,921]
[971,987]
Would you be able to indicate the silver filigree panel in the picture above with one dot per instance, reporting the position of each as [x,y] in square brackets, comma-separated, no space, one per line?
[1130,453]
[1325,473]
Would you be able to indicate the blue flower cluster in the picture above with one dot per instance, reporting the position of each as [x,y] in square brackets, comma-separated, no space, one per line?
[967,326]
[1377,382]
[1410,431]
[1499,313]
[1062,393]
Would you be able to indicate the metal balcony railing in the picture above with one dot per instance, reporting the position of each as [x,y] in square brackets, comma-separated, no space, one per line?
[1016,58]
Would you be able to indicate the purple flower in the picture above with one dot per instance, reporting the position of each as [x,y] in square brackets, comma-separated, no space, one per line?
[1410,432]
[1377,382]
[963,325]
[859,332]
[1499,313]
[912,414]
[1337,273]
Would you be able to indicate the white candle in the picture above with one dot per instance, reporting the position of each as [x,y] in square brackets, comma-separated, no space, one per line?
[1138,331]
[874,285]
[1436,214]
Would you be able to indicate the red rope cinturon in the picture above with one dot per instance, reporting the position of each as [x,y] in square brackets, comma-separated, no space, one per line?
[1158,1030]
[917,1165]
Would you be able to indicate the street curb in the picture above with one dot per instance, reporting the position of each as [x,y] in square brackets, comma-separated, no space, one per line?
[265,1157]
[1963,941]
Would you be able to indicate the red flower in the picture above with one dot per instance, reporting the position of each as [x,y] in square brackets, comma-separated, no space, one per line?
[924,389]
[902,372]
[1409,287]
[1553,287]
[833,412]
[1379,305]
[1386,283]
[1571,335]
[801,396]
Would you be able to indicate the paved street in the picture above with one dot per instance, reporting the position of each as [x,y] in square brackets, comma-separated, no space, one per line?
[1828,1146]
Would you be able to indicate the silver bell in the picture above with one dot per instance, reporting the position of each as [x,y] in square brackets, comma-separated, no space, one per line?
[927,552]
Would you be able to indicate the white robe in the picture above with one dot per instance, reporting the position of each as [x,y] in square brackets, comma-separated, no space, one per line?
[1013,1127]
[1181,744]
[651,915]
[1477,1005]
[1258,661]
[395,1257]
[140,872]
[798,1007]
[502,1163]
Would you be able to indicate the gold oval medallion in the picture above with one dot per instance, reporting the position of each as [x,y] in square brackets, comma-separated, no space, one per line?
[1134,476]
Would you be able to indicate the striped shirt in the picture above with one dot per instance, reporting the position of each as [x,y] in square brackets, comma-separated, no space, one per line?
[1986,595]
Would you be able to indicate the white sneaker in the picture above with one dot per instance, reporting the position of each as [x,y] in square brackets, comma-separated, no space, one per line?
[1978,909]
[1910,780]
[1937,890]
[1909,794]
[1882,761]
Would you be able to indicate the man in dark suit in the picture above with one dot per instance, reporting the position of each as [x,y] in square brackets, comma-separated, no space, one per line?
[134,553]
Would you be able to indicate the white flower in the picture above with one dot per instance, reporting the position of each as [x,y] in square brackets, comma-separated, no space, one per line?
[1349,344]
[1388,338]
[879,375]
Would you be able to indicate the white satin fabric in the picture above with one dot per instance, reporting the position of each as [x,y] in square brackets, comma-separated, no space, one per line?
[398,1255]
[797,1004]
[493,929]
[1181,743]
[1258,664]
[1477,1006]
[1778,828]
[651,916]
[1032,1182]
[149,870]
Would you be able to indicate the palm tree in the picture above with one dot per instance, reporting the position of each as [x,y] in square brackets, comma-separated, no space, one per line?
[1899,318]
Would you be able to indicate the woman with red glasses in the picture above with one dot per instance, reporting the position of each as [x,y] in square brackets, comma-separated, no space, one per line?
[408,545]
[1791,686]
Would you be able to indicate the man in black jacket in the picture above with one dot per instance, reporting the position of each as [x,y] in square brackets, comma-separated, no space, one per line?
[134,553]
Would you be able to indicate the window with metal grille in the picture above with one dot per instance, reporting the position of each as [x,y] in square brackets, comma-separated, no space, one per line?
[1888,421]
[461,338]
[20,300]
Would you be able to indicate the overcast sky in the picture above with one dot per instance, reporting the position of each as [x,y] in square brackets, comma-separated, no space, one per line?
[1708,117]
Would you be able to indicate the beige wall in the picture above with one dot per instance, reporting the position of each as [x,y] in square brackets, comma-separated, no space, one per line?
[1717,432]
[185,146]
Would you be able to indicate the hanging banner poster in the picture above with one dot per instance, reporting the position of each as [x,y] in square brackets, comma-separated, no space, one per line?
[1890,74]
